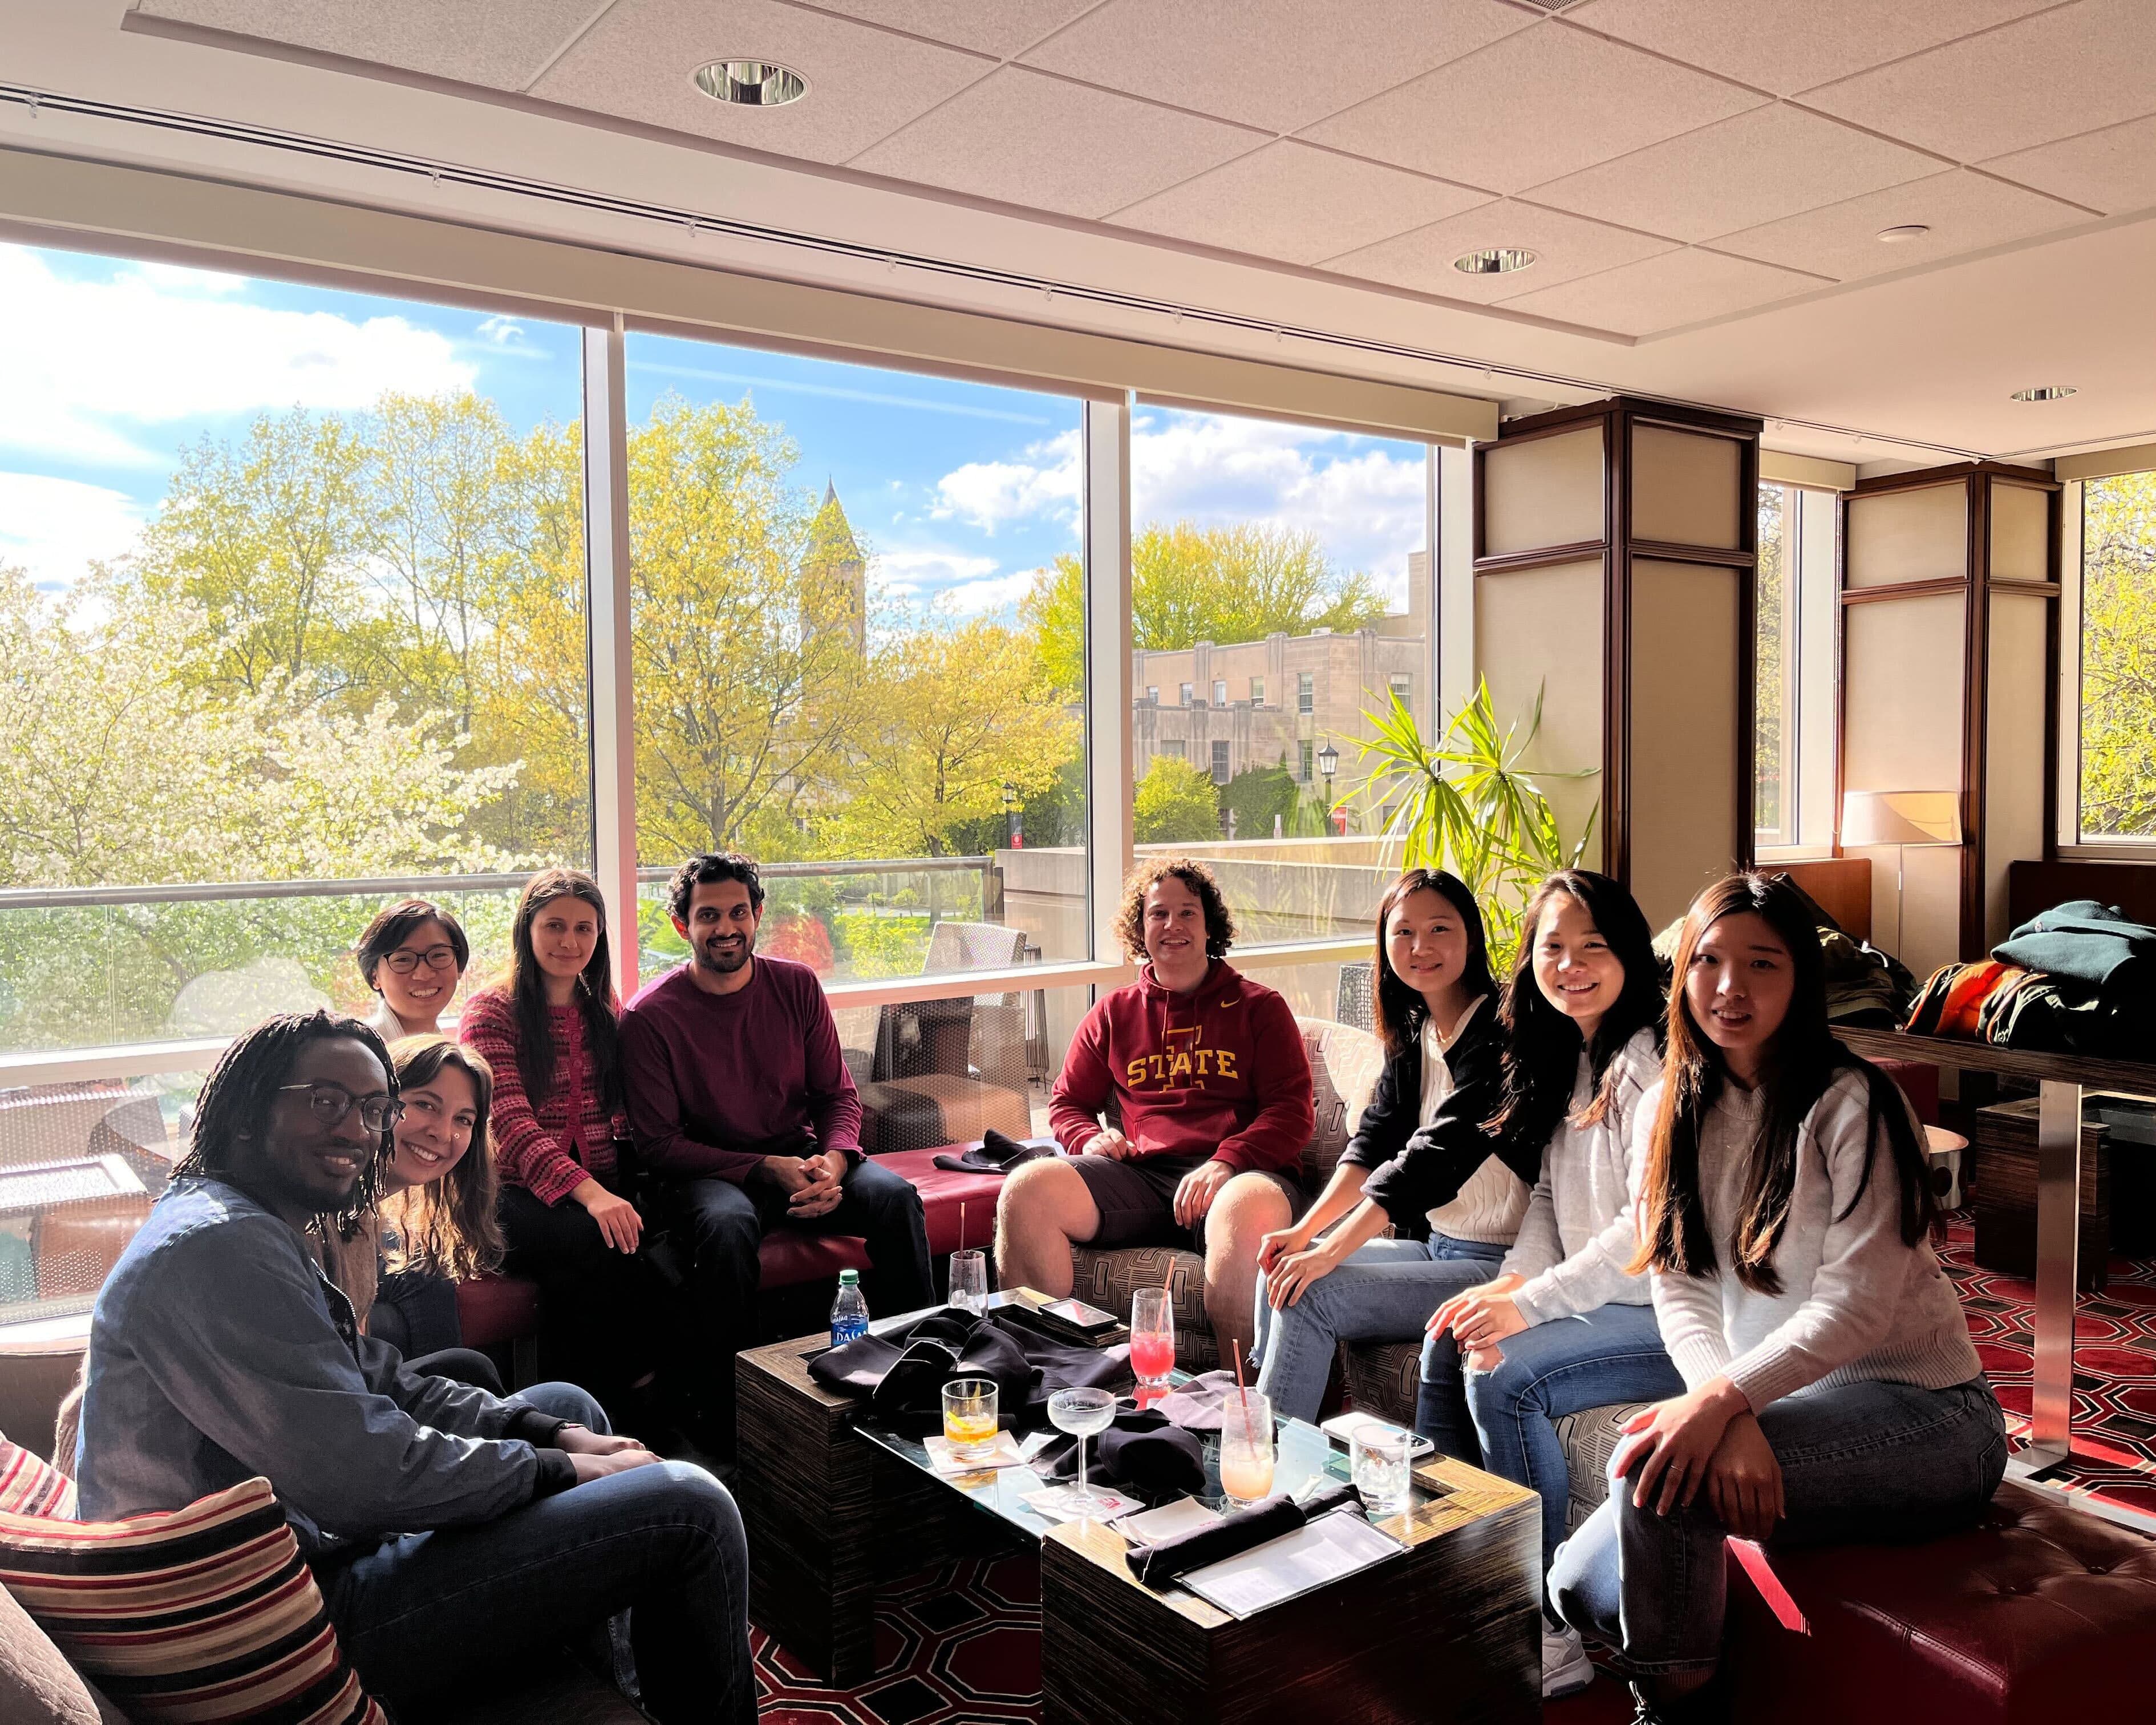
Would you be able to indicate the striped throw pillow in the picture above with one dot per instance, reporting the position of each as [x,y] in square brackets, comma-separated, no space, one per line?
[190,1616]
[30,1486]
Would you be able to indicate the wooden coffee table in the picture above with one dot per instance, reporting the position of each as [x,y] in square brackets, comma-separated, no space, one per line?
[1445,1629]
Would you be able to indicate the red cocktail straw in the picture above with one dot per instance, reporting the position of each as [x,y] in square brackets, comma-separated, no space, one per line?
[962,1225]
[1242,1389]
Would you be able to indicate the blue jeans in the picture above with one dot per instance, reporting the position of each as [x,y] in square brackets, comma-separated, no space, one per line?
[1612,1354]
[423,1614]
[1867,1463]
[1385,1292]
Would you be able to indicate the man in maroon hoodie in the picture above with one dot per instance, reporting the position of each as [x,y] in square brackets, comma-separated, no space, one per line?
[1210,1078]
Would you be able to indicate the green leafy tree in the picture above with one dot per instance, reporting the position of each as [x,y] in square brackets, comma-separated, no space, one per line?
[1174,804]
[1190,584]
[1257,795]
[1770,587]
[2119,656]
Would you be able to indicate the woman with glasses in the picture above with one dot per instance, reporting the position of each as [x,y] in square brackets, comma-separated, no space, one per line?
[549,1032]
[413,956]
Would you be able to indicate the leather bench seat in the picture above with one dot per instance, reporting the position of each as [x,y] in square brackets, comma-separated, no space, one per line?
[2044,1613]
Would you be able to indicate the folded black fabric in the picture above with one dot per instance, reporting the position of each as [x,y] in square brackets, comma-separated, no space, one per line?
[901,1374]
[997,1153]
[1232,1535]
[1141,1450]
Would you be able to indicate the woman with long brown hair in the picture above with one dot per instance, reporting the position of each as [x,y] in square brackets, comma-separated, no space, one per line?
[1421,1157]
[550,1033]
[1832,1394]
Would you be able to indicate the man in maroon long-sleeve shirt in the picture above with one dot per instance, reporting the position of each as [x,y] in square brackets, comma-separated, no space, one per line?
[739,1098]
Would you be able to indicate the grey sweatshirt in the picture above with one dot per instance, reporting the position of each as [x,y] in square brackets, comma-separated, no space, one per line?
[1857,1302]
[1580,1229]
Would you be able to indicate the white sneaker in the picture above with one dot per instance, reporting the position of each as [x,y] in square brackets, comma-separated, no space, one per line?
[1566,1668]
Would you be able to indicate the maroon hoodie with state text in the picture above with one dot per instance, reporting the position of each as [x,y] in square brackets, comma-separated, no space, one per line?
[1219,1072]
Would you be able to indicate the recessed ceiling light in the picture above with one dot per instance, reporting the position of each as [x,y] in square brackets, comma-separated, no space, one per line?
[751,84]
[1495,260]
[2048,392]
[1907,231]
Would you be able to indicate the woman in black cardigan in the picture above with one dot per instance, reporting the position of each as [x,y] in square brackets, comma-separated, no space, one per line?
[1423,1137]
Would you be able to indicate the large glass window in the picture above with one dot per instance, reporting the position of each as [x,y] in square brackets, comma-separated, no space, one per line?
[2117,716]
[859,642]
[291,595]
[1774,668]
[1270,554]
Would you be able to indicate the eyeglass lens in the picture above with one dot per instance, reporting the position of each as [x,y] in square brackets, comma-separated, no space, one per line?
[404,961]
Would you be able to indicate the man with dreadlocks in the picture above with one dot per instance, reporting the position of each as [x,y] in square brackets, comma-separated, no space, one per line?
[452,1532]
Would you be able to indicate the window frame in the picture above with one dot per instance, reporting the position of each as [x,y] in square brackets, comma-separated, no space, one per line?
[2067,838]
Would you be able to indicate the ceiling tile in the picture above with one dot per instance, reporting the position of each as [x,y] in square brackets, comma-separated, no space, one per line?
[1664,293]
[2047,77]
[639,60]
[1275,63]
[1770,163]
[1298,203]
[1565,247]
[472,41]
[2113,170]
[1541,103]
[1788,45]
[1001,29]
[1966,212]
[1026,138]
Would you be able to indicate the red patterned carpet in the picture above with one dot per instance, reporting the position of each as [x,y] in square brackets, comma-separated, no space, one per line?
[960,1646]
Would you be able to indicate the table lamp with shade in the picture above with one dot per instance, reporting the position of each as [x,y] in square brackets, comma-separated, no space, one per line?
[1900,819]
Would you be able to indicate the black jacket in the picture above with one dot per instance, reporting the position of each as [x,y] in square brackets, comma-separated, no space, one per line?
[1415,1168]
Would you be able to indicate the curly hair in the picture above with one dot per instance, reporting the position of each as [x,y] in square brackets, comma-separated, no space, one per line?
[1130,915]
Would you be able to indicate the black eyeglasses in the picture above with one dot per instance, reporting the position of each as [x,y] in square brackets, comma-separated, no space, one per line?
[404,961]
[329,1102]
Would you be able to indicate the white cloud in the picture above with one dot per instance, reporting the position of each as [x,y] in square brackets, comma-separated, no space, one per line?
[987,493]
[504,332]
[1362,497]
[90,364]
[929,567]
[55,527]
[991,594]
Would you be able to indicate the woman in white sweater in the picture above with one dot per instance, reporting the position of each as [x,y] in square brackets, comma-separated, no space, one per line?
[1831,1392]
[1566,1323]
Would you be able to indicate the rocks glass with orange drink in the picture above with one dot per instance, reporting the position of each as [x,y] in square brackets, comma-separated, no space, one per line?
[969,1417]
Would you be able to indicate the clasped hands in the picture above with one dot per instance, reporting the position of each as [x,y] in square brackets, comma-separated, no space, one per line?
[1479,1318]
[811,1184]
[1705,1440]
[595,1455]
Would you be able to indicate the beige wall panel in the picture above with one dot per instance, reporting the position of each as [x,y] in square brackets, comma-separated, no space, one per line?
[1546,490]
[1685,740]
[1902,665]
[2013,748]
[1909,536]
[2020,533]
[1540,631]
[1685,487]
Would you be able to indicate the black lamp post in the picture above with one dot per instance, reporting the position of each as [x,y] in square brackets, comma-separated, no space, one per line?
[1010,808]
[1328,764]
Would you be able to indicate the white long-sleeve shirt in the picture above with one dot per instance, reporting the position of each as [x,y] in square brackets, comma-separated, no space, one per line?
[1489,1207]
[1857,1303]
[1580,1229]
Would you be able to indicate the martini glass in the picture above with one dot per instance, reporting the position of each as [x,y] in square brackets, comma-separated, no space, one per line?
[1081,1413]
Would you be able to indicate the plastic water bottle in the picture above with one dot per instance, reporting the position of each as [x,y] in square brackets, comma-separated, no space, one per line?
[849,1313]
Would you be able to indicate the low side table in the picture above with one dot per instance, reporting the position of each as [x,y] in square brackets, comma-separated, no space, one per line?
[1448,1630]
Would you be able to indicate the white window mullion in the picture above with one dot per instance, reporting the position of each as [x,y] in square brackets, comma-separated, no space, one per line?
[609,689]
[1108,728]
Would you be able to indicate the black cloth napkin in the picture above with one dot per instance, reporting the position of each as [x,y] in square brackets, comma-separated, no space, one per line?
[901,1374]
[1141,1450]
[998,1153]
[1232,1535]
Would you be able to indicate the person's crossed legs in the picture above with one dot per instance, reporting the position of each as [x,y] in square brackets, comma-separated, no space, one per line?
[1050,1204]
[429,1613]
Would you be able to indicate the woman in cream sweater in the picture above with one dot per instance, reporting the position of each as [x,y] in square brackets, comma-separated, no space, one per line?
[1832,1394]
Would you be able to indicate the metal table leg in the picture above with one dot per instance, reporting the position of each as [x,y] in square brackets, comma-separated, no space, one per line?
[2058,1237]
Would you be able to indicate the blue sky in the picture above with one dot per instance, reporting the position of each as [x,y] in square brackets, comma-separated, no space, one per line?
[959,490]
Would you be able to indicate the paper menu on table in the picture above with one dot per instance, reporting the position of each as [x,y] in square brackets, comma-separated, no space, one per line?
[1324,1551]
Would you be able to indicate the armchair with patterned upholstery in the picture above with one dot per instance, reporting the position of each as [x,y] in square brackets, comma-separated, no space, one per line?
[1344,1065]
